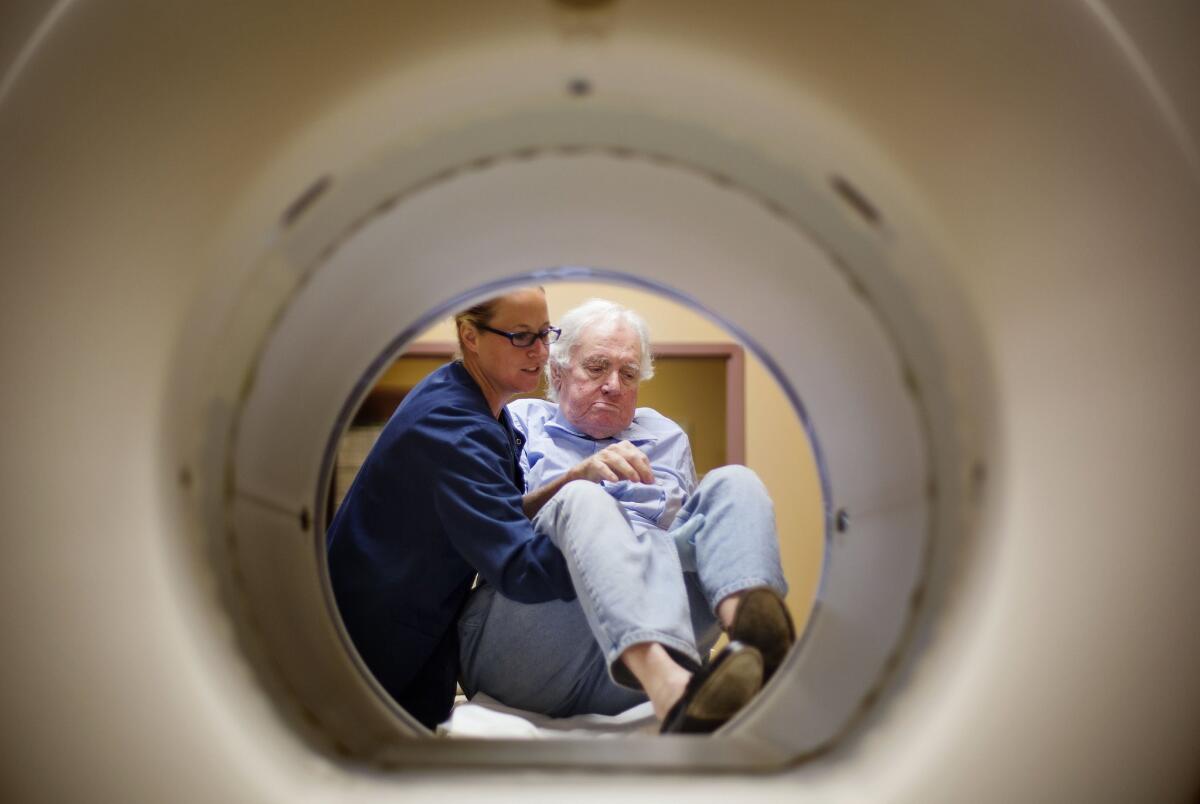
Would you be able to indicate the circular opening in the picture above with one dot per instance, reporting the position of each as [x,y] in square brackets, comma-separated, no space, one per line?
[470,232]
[730,405]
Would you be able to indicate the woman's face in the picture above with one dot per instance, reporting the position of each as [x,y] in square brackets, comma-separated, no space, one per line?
[509,369]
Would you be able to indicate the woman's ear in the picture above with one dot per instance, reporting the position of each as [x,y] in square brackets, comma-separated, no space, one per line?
[468,336]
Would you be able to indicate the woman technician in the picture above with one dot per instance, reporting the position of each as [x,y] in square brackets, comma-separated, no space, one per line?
[439,499]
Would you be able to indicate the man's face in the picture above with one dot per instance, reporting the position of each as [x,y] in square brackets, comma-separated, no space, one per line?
[597,390]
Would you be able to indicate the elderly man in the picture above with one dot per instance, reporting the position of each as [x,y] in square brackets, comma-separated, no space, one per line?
[660,563]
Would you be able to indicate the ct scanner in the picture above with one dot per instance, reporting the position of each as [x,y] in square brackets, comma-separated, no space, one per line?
[964,237]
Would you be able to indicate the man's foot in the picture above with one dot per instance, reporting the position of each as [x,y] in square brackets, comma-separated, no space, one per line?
[661,676]
[717,691]
[762,621]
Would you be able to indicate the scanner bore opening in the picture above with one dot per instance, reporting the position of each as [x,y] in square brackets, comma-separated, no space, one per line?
[695,353]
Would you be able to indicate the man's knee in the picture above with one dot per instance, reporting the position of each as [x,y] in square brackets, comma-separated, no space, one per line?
[584,493]
[583,500]
[735,479]
[581,517]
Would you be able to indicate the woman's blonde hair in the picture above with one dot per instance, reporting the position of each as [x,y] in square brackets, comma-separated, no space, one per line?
[479,315]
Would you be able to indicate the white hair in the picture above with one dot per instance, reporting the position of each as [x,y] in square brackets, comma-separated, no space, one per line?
[589,314]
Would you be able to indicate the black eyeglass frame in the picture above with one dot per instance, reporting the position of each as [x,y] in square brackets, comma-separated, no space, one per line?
[527,338]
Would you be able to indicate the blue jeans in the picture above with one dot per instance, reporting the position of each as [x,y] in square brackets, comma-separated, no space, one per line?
[633,585]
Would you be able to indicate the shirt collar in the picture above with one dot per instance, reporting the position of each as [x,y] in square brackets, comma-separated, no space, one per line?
[635,433]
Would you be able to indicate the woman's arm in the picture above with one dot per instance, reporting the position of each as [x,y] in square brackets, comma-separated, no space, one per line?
[479,508]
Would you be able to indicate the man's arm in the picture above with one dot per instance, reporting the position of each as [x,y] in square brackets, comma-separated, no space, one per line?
[620,461]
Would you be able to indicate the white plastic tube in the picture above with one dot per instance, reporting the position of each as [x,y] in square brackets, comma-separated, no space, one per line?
[1023,292]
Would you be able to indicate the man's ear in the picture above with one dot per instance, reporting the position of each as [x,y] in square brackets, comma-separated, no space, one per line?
[555,375]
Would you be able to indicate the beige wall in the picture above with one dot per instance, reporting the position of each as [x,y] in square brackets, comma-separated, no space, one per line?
[776,446]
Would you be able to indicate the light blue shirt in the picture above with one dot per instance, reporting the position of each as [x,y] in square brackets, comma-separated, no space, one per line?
[550,446]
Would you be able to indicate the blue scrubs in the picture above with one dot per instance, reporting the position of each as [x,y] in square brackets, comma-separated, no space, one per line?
[437,500]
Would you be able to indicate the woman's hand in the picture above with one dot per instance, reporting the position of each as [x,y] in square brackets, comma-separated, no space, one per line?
[620,461]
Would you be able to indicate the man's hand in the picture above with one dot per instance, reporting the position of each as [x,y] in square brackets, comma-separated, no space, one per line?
[620,461]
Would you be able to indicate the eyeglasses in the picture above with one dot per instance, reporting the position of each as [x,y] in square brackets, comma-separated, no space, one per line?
[523,339]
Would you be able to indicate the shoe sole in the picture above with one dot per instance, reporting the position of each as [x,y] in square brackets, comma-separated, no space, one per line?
[729,688]
[763,621]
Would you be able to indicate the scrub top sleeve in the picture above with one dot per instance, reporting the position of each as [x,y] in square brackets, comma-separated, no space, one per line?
[480,510]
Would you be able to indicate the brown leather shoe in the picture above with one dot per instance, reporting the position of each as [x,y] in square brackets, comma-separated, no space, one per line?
[762,620]
[716,691]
